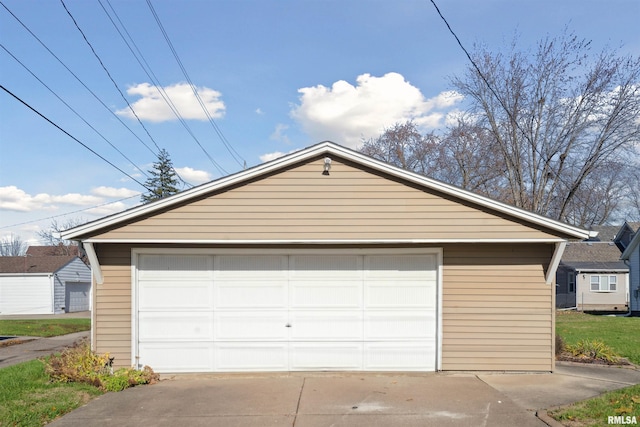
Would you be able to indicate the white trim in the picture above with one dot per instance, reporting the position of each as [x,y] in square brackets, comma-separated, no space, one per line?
[93,260]
[325,148]
[555,261]
[136,252]
[318,241]
[25,274]
[626,255]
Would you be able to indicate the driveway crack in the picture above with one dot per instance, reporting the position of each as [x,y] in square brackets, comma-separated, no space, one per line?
[295,417]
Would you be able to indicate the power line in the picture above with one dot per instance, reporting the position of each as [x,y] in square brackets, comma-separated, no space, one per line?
[78,79]
[74,111]
[71,136]
[236,156]
[108,74]
[69,213]
[545,159]
[149,72]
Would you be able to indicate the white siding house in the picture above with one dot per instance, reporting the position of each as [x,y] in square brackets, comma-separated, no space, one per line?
[631,257]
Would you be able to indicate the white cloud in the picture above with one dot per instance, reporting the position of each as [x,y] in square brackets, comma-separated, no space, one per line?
[114,193]
[279,133]
[275,155]
[14,199]
[109,209]
[152,106]
[347,114]
[259,111]
[194,176]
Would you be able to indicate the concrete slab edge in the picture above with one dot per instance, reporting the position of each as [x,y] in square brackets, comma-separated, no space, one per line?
[545,418]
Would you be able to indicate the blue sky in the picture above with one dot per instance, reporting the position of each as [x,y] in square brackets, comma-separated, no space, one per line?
[275,76]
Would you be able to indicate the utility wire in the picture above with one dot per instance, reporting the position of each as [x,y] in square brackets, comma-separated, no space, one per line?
[79,80]
[74,111]
[236,156]
[71,136]
[137,54]
[501,102]
[108,74]
[69,213]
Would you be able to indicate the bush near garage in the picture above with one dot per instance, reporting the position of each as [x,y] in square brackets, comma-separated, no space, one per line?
[81,365]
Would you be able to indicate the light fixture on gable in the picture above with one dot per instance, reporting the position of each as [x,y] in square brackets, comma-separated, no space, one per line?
[327,166]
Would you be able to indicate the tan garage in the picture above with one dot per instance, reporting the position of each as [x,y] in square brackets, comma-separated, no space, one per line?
[325,259]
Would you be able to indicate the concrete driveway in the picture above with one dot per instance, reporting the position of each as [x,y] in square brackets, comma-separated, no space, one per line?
[352,399]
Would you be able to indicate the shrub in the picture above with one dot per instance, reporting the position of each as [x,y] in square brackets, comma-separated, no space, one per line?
[81,365]
[596,350]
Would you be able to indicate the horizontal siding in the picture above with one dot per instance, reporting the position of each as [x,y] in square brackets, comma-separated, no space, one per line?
[113,304]
[497,317]
[301,203]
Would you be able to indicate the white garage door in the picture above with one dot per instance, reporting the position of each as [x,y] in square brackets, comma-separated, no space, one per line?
[253,312]
[26,294]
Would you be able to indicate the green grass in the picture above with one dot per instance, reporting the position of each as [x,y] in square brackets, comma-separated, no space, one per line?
[43,327]
[595,412]
[619,333]
[29,399]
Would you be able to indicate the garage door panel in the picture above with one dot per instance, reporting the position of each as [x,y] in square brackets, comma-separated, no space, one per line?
[400,294]
[163,267]
[326,294]
[326,325]
[400,265]
[175,326]
[326,356]
[177,356]
[253,325]
[325,266]
[398,326]
[175,294]
[245,356]
[251,266]
[252,294]
[399,356]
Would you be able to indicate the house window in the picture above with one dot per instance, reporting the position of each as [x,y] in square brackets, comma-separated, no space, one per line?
[604,283]
[571,282]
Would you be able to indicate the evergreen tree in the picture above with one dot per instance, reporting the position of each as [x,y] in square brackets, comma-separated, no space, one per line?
[163,181]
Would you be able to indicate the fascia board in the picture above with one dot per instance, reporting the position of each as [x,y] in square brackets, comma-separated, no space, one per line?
[328,148]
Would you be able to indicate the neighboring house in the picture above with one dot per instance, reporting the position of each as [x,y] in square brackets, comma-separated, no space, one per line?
[631,257]
[325,259]
[625,234]
[58,250]
[44,285]
[591,277]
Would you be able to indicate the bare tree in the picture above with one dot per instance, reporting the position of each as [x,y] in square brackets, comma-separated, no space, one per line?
[12,246]
[557,115]
[51,236]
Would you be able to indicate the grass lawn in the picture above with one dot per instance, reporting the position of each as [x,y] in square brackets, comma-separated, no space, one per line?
[29,399]
[596,411]
[619,333]
[43,327]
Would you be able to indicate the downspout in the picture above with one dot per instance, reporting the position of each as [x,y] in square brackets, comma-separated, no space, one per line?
[626,262]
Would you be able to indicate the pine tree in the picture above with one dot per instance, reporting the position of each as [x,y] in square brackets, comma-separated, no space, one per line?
[163,181]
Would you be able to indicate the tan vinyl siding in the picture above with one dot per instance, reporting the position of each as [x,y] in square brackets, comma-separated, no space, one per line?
[113,304]
[302,204]
[497,310]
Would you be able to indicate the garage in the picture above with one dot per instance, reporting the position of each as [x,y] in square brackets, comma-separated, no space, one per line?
[325,259]
[314,310]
